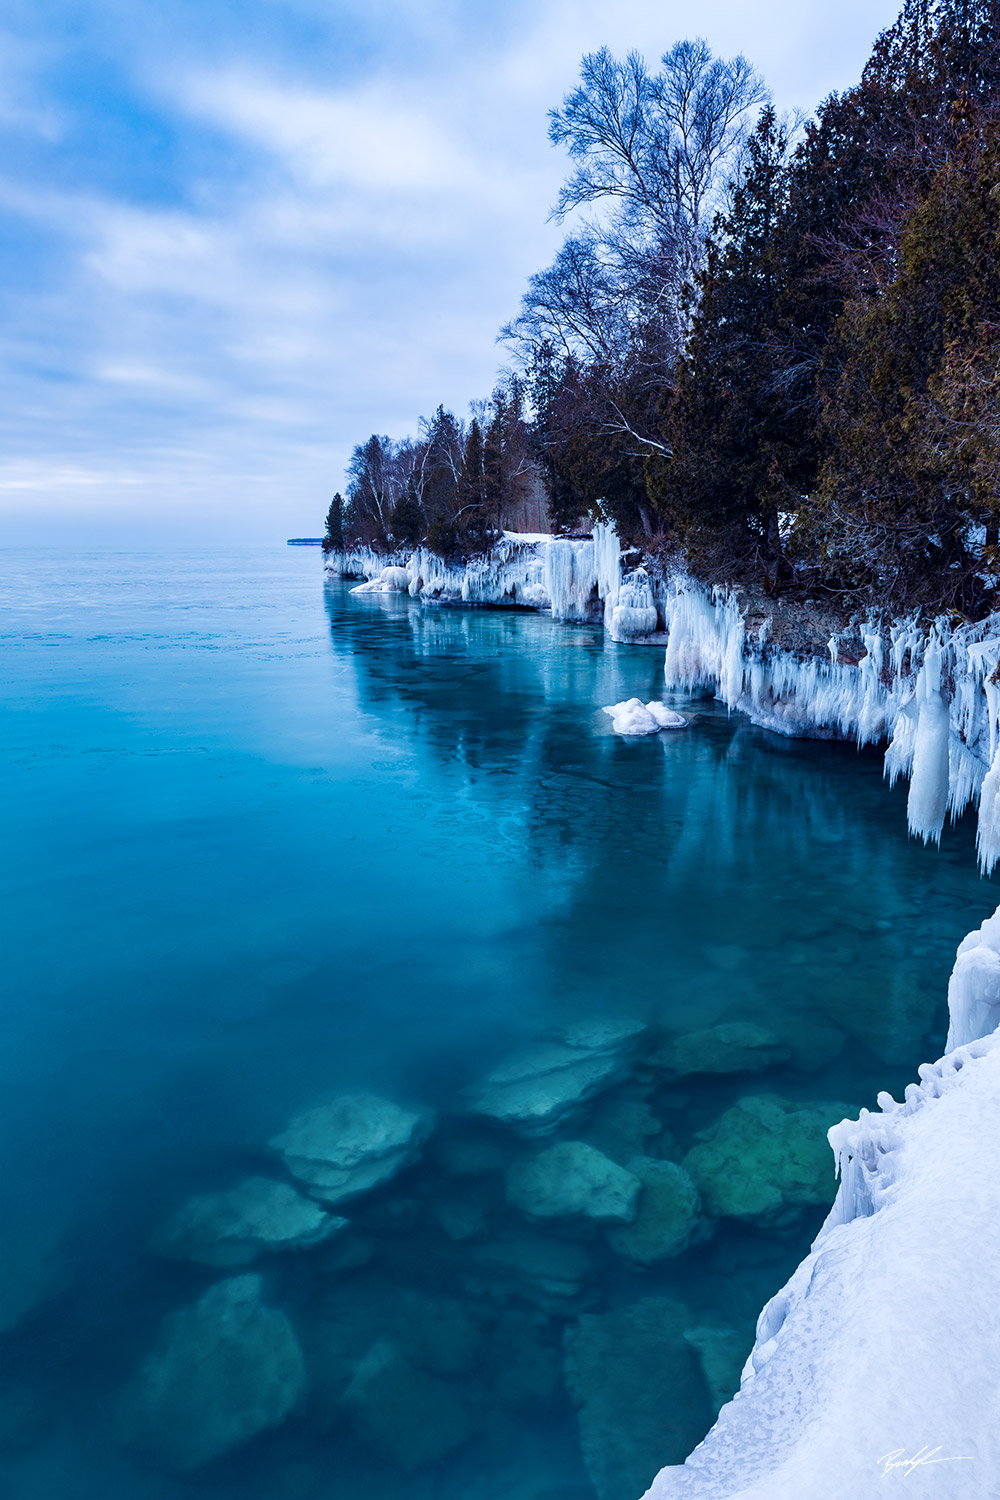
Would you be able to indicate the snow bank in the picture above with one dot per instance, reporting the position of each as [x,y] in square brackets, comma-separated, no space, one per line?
[880,1359]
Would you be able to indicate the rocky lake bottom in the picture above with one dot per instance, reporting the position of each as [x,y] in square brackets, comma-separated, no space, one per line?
[409,1088]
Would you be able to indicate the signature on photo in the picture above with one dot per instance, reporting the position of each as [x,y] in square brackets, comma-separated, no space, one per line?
[897,1460]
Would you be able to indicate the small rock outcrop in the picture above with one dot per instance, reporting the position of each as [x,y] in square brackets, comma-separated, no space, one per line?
[236,1226]
[223,1371]
[343,1149]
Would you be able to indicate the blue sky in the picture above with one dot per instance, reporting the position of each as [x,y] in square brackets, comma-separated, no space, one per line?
[236,238]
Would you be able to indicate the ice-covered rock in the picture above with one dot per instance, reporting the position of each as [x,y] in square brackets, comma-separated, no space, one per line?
[669,1214]
[666,718]
[222,1371]
[239,1224]
[640,1392]
[409,1417]
[876,1363]
[541,1086]
[766,1160]
[391,580]
[635,717]
[974,986]
[732,1047]
[573,1180]
[350,1146]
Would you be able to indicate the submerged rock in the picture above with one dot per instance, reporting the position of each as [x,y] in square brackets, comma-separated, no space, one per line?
[350,1146]
[733,1047]
[722,1353]
[669,1214]
[408,1416]
[541,1086]
[640,1392]
[222,1371]
[546,1271]
[766,1160]
[571,1180]
[234,1227]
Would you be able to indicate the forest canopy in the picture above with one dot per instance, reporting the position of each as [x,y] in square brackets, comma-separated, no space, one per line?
[770,347]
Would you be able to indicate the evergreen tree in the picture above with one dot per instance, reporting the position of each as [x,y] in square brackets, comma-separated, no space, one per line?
[407,523]
[333,540]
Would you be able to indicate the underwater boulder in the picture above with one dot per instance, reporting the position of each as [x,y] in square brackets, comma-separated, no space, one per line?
[547,1083]
[732,1047]
[236,1226]
[573,1180]
[766,1160]
[640,1392]
[407,1415]
[343,1149]
[669,1214]
[222,1371]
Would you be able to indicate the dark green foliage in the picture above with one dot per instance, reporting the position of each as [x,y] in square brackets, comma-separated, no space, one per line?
[407,520]
[333,539]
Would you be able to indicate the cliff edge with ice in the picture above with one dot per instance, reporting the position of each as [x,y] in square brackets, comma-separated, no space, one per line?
[931,693]
[880,1359]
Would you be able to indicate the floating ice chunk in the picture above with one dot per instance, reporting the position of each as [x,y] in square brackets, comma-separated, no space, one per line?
[632,717]
[666,717]
[635,717]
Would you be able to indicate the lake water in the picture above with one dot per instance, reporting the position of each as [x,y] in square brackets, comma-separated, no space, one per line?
[268,844]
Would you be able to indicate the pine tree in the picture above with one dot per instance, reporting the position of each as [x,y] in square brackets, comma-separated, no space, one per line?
[333,541]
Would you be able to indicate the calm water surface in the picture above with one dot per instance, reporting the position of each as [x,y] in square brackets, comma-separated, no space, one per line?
[266,843]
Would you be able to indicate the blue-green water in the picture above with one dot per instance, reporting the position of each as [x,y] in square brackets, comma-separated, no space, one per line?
[265,843]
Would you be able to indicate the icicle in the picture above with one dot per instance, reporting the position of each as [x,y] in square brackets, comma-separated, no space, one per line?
[928,799]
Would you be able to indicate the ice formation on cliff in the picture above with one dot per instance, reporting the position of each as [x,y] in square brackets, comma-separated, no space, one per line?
[929,693]
[879,1359]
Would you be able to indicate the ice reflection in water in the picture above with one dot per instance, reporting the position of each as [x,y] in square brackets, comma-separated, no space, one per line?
[267,851]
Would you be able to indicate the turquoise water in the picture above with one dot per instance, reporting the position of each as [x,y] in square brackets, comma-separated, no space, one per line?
[266,843]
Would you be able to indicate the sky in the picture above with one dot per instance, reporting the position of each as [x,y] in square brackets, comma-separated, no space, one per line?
[239,236]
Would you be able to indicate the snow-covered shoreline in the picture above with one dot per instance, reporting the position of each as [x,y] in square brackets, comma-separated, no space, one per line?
[928,693]
[879,1359]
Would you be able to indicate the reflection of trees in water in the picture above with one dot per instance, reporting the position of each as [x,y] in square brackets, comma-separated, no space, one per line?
[702,876]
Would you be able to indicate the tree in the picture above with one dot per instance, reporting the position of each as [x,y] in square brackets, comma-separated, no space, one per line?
[333,540]
[407,522]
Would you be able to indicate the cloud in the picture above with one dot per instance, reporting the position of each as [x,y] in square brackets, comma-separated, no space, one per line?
[240,236]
